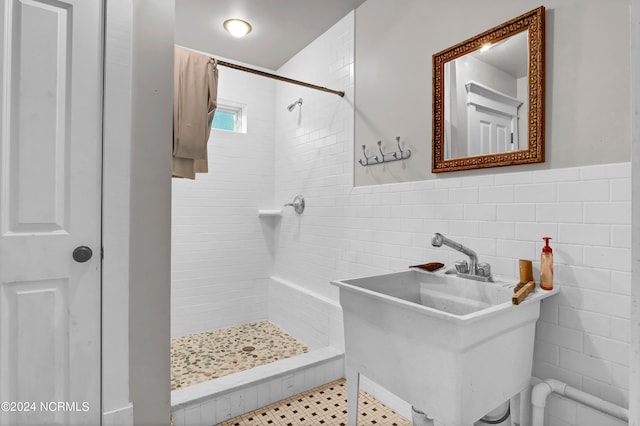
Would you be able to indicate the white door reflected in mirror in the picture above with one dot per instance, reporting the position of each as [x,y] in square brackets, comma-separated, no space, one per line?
[485,99]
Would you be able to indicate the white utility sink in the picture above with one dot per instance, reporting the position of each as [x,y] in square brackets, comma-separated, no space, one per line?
[454,348]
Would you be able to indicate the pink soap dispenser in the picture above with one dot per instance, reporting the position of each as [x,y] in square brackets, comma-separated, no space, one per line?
[546,266]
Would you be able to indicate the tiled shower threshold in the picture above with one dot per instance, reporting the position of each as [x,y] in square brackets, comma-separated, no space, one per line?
[212,389]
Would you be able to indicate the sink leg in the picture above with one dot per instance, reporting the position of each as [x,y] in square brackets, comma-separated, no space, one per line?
[419,418]
[353,389]
[525,407]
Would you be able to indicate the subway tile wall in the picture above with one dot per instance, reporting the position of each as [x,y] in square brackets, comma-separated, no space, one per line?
[221,251]
[583,333]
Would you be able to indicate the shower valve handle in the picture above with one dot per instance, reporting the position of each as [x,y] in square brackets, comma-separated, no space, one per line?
[298,204]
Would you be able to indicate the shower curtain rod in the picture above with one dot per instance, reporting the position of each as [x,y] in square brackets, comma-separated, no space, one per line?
[277,77]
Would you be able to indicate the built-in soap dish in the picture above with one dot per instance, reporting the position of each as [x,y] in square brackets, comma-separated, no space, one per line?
[269,212]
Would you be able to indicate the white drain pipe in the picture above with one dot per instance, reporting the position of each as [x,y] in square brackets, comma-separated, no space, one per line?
[542,390]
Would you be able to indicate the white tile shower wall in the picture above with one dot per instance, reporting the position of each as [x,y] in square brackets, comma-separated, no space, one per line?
[310,318]
[221,250]
[312,145]
[583,333]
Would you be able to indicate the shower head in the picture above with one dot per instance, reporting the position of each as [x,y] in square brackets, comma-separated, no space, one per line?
[293,105]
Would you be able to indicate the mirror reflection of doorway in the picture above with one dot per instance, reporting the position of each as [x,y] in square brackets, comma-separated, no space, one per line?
[492,121]
[487,82]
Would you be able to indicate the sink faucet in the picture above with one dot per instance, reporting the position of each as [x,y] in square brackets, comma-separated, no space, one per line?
[473,269]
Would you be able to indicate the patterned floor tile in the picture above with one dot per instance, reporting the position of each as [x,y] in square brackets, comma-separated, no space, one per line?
[324,405]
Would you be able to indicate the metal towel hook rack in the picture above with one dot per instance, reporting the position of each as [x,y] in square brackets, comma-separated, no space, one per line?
[388,157]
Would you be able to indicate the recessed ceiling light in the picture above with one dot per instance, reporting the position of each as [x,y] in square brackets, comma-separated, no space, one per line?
[237,27]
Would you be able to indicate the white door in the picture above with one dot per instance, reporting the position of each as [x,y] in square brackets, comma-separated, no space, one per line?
[490,132]
[50,194]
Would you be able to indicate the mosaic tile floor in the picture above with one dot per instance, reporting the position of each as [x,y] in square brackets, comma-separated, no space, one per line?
[196,358]
[324,405]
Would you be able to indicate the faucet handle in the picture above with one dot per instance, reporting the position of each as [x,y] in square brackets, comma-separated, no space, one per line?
[462,266]
[484,269]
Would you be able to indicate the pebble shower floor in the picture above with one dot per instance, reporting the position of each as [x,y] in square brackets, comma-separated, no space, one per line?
[200,357]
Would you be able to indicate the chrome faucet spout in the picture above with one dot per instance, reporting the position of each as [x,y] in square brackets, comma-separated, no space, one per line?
[437,240]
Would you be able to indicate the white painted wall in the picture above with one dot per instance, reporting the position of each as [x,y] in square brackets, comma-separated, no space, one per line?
[221,251]
[150,209]
[587,122]
[634,45]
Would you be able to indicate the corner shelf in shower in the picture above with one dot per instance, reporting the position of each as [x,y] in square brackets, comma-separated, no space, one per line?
[269,213]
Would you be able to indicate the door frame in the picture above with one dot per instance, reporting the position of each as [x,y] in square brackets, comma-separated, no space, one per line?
[136,181]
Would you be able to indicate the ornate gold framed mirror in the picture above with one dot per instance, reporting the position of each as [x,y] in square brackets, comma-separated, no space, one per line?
[488,98]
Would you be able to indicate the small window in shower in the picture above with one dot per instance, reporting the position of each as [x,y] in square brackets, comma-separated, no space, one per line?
[230,116]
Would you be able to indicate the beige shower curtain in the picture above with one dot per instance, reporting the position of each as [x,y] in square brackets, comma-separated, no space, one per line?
[195,92]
